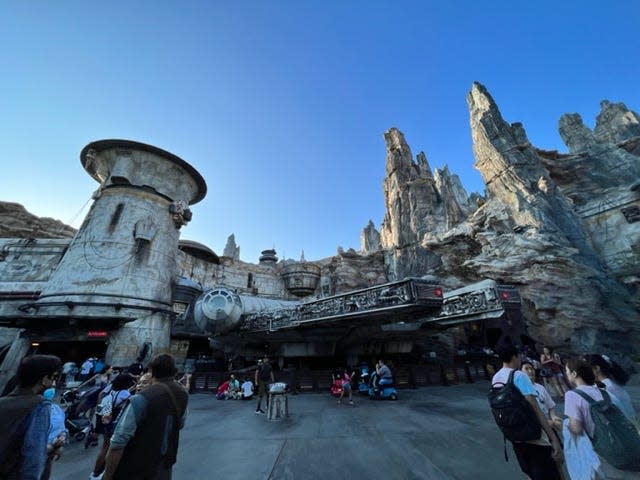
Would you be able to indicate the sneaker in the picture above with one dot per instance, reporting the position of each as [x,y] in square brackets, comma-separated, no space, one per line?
[339,402]
[95,477]
[351,402]
[259,412]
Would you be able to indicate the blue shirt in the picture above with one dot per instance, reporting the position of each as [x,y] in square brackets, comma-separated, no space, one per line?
[520,380]
[34,446]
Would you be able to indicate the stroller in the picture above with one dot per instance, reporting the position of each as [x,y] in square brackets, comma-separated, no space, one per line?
[78,407]
[336,384]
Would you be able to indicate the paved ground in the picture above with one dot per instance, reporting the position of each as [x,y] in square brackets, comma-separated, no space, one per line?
[429,433]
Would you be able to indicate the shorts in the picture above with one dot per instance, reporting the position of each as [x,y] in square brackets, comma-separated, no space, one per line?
[346,387]
[262,387]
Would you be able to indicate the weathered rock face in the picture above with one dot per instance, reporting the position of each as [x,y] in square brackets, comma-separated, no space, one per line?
[577,303]
[17,222]
[616,123]
[420,208]
[350,271]
[561,227]
[418,203]
[601,178]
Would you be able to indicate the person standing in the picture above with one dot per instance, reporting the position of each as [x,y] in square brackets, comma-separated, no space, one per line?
[346,385]
[545,401]
[578,411]
[535,457]
[264,374]
[25,420]
[144,445]
[614,378]
[114,399]
[58,433]
[552,371]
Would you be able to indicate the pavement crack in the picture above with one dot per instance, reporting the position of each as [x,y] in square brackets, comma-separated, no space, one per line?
[277,460]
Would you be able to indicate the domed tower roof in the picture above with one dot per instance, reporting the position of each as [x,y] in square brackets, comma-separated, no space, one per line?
[198,250]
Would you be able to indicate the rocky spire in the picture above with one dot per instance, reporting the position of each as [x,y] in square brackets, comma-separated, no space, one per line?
[514,174]
[413,204]
[456,205]
[600,162]
[575,134]
[616,123]
[231,250]
[420,208]
[369,239]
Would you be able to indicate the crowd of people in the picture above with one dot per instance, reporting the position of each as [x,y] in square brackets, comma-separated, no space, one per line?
[232,389]
[574,444]
[139,414]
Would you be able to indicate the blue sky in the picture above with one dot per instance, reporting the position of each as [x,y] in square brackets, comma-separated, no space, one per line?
[281,105]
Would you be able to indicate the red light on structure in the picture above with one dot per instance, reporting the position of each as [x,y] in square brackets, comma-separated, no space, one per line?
[96,334]
[504,295]
[437,292]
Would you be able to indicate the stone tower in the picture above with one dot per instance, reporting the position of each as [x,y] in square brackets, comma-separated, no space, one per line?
[119,269]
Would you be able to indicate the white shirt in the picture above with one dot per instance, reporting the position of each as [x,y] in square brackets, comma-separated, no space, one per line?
[247,388]
[545,402]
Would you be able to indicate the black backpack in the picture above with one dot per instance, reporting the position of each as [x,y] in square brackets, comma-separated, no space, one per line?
[116,412]
[513,414]
[614,438]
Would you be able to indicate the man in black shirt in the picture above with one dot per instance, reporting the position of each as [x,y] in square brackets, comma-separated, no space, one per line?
[264,374]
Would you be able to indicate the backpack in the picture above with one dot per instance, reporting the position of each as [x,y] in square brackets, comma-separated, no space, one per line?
[614,438]
[114,414]
[513,414]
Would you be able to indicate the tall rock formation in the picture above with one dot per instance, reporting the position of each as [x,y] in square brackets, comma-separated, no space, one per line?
[601,177]
[564,228]
[369,239]
[420,207]
[574,302]
[616,123]
[231,250]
